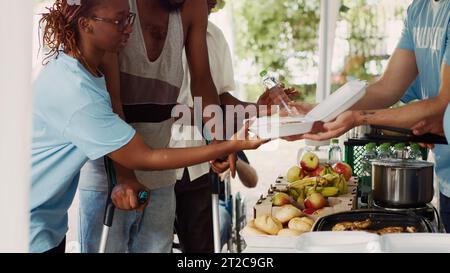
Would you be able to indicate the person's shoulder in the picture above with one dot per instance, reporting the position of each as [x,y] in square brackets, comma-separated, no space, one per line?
[63,84]
[192,8]
[215,31]
[416,6]
[57,77]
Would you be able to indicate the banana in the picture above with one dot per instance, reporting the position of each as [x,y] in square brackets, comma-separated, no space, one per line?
[330,192]
[323,181]
[302,194]
[294,194]
[342,185]
[310,190]
[330,179]
[304,183]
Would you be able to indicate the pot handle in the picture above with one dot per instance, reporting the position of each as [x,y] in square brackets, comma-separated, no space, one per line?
[409,136]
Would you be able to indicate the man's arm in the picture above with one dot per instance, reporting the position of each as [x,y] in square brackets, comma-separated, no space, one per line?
[111,70]
[403,117]
[228,99]
[390,88]
[202,84]
[247,174]
[409,115]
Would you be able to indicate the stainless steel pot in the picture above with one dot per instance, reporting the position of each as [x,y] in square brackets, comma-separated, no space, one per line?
[402,183]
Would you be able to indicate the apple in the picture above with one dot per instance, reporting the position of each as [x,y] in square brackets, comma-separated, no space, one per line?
[309,211]
[319,171]
[315,201]
[344,169]
[294,174]
[309,162]
[307,174]
[281,199]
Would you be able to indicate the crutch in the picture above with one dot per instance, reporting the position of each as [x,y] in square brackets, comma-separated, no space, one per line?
[109,207]
[215,190]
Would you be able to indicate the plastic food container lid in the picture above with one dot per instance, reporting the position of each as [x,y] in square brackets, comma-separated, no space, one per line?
[339,102]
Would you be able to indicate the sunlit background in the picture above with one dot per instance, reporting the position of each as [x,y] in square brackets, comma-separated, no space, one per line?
[282,36]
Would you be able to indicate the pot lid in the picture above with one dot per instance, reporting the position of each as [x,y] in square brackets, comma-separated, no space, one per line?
[403,163]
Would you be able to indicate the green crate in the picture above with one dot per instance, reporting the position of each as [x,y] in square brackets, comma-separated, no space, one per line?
[354,150]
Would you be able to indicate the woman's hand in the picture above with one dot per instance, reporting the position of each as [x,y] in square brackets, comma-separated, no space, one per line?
[243,141]
[125,195]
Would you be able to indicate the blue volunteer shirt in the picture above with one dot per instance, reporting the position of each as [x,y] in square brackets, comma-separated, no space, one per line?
[427,33]
[72,121]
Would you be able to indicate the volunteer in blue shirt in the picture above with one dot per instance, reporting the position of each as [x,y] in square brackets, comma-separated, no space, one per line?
[73,119]
[419,69]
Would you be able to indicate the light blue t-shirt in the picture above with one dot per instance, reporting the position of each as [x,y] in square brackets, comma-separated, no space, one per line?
[72,121]
[427,33]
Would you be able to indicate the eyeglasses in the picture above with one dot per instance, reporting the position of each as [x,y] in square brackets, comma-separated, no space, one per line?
[121,24]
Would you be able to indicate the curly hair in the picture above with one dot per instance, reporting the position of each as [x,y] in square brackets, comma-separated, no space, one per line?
[60,25]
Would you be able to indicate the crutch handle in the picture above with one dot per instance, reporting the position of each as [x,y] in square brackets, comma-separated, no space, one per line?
[143,197]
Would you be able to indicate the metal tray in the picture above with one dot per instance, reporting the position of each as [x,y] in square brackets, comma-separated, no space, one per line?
[381,219]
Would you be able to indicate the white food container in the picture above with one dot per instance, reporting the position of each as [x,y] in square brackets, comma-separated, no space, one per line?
[415,243]
[272,242]
[339,102]
[338,242]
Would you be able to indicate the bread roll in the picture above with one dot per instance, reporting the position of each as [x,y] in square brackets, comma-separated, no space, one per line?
[300,225]
[251,223]
[286,213]
[289,233]
[248,230]
[308,220]
[268,224]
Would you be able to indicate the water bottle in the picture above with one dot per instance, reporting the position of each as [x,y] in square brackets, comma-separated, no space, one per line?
[414,152]
[384,151]
[400,151]
[368,156]
[335,152]
[270,81]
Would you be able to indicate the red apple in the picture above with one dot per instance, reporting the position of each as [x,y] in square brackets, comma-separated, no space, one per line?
[319,171]
[307,174]
[344,169]
[281,199]
[309,162]
[309,211]
[315,201]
